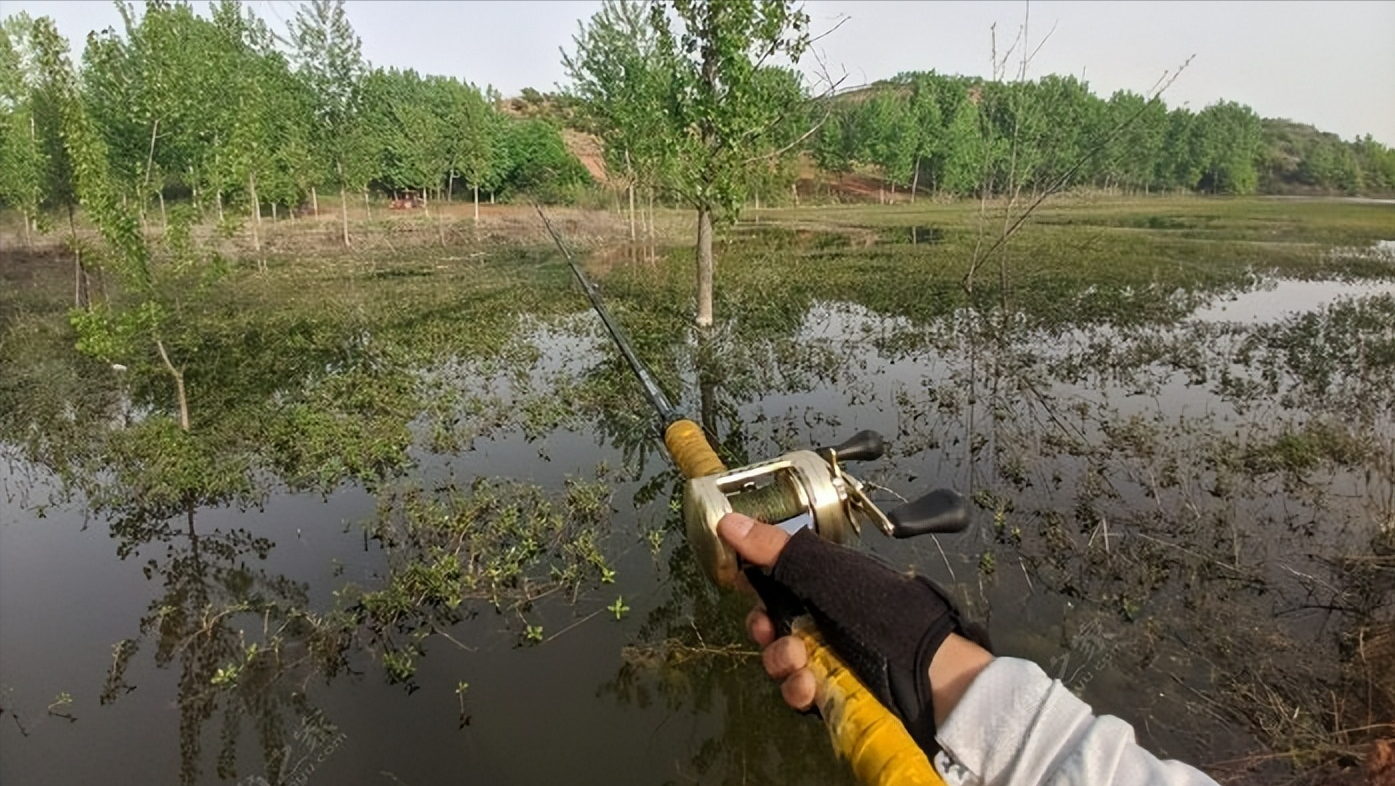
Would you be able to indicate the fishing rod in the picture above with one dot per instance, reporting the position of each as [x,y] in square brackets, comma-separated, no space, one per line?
[801,488]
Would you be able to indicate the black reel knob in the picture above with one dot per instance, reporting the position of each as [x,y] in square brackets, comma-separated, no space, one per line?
[865,445]
[939,512]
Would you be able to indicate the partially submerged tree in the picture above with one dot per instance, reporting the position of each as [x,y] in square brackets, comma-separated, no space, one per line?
[684,95]
[135,326]
[713,52]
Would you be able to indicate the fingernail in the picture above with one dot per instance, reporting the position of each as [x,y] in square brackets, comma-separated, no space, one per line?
[734,526]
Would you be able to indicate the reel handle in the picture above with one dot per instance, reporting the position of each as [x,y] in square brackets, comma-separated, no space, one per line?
[865,445]
[939,512]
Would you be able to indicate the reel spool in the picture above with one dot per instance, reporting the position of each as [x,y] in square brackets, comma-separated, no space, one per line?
[806,488]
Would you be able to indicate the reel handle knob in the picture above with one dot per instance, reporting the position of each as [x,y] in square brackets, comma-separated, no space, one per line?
[865,445]
[939,512]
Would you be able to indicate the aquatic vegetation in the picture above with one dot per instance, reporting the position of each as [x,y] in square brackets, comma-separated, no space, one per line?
[1204,495]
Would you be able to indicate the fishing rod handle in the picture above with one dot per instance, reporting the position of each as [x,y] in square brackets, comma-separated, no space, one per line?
[688,446]
[862,730]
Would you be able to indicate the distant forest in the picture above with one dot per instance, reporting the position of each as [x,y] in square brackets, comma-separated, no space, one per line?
[943,133]
[230,115]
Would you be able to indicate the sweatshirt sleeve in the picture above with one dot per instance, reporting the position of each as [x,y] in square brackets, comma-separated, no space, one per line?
[1015,726]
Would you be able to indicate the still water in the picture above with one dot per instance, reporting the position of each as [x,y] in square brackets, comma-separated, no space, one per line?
[1081,425]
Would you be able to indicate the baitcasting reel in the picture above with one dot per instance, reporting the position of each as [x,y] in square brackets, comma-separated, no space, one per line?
[807,488]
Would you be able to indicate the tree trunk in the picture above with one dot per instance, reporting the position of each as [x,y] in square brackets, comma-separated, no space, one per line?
[631,189]
[194,192]
[704,267]
[273,212]
[794,191]
[315,201]
[149,164]
[178,375]
[652,254]
[630,186]
[476,188]
[77,278]
[450,187]
[344,214]
[368,209]
[80,294]
[164,217]
[256,212]
[28,240]
[915,180]
[218,196]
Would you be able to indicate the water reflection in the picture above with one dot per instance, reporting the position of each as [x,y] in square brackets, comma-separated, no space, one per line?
[1190,524]
[232,672]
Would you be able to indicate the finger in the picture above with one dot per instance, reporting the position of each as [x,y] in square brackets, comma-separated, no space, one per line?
[755,542]
[784,657]
[760,626]
[799,690]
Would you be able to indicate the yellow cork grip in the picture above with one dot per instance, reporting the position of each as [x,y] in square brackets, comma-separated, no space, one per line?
[876,745]
[688,446]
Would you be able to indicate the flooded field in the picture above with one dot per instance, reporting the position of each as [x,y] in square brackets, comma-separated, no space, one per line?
[420,531]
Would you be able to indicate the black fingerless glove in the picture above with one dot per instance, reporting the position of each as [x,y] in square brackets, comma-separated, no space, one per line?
[885,625]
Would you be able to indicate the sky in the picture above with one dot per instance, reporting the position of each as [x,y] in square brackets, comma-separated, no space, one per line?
[1330,64]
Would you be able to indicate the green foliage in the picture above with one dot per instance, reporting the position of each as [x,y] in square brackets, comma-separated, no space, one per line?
[963,136]
[23,162]
[618,608]
[619,77]
[328,57]
[1299,158]
[538,161]
[685,100]
[497,542]
[1230,138]
[721,116]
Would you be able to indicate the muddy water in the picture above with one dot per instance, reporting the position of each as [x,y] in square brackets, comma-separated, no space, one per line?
[1108,547]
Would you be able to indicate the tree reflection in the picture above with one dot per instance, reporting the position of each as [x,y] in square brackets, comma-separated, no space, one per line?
[243,641]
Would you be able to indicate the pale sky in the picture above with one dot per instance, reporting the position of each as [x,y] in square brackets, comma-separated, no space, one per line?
[1331,64]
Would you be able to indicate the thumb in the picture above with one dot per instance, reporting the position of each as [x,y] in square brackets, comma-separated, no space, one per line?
[754,542]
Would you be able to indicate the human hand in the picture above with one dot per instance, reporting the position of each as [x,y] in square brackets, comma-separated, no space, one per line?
[784,657]
[900,634]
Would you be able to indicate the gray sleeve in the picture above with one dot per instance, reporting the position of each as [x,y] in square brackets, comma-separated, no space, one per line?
[1016,726]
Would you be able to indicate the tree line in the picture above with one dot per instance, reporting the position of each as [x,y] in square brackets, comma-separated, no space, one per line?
[964,136]
[230,115]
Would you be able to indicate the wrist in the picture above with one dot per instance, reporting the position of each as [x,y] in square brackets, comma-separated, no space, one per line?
[952,670]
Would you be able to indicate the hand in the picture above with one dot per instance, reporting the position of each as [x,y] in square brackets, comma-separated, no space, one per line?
[784,657]
[902,634]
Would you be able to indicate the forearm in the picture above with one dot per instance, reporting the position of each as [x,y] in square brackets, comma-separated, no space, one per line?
[1013,725]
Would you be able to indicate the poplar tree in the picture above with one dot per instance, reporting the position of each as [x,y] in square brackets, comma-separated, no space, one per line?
[618,73]
[329,57]
[22,158]
[711,53]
